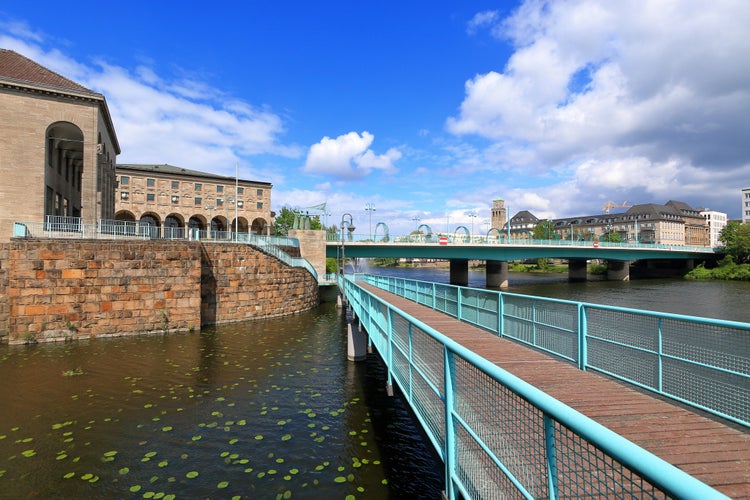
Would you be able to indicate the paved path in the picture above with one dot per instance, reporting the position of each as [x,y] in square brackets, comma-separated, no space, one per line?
[712,451]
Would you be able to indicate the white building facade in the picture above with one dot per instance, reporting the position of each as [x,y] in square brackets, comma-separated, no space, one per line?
[716,222]
[746,205]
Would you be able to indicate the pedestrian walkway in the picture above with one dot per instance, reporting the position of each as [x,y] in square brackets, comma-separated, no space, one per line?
[710,449]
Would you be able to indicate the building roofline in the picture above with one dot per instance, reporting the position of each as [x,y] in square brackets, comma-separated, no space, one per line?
[171,170]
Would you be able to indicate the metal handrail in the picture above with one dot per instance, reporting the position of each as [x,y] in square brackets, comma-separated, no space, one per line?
[458,397]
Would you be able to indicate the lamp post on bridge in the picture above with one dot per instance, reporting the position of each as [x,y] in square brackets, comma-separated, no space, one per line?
[473,216]
[370,208]
[349,221]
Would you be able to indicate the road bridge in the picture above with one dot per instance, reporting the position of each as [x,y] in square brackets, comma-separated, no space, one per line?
[497,253]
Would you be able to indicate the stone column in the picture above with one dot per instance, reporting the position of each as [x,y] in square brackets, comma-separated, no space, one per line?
[576,270]
[459,272]
[618,270]
[497,274]
[312,246]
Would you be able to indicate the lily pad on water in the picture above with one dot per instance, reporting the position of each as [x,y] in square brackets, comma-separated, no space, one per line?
[192,474]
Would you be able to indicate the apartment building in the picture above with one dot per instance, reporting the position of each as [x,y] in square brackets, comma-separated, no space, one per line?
[745,205]
[172,201]
[716,222]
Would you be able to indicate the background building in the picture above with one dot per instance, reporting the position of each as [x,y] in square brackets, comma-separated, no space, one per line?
[716,222]
[58,148]
[172,200]
[745,205]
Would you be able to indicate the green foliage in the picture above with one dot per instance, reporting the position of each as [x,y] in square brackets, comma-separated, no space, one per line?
[385,262]
[612,237]
[735,238]
[284,221]
[332,265]
[597,268]
[544,230]
[727,270]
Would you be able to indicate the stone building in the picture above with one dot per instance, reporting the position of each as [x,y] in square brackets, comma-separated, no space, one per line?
[171,201]
[58,148]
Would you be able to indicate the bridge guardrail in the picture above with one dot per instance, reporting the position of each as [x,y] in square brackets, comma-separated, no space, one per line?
[702,362]
[500,437]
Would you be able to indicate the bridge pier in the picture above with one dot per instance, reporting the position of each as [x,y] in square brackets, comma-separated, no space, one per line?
[577,270]
[618,270]
[356,346]
[459,272]
[497,274]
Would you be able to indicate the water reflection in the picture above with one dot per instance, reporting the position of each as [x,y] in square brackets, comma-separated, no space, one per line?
[266,409]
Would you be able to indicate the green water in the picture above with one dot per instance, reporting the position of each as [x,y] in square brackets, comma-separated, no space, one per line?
[266,409]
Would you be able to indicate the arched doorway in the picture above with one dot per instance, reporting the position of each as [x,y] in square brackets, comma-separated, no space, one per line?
[149,225]
[174,227]
[259,226]
[63,173]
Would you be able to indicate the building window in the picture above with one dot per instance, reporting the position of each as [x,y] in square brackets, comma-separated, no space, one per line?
[240,190]
[150,197]
[259,205]
[198,186]
[124,179]
[124,195]
[175,184]
[219,189]
[259,192]
[175,198]
[219,202]
[151,182]
[198,201]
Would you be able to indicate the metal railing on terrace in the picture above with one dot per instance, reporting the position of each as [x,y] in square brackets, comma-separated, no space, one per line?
[702,362]
[500,437]
[459,239]
[60,227]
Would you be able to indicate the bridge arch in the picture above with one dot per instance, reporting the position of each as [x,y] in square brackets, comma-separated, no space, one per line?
[499,232]
[386,237]
[428,234]
[467,235]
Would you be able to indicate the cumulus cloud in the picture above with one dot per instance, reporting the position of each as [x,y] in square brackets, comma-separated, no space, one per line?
[349,156]
[623,94]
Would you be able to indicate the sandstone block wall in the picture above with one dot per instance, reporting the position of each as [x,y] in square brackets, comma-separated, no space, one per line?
[68,289]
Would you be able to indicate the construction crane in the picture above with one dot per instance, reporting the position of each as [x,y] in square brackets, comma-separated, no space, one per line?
[611,204]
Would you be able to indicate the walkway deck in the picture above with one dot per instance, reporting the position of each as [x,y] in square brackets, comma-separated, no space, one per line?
[712,451]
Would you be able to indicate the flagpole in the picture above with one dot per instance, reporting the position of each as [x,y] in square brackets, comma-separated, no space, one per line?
[236,189]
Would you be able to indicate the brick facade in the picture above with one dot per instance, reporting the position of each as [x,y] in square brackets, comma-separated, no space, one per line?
[69,289]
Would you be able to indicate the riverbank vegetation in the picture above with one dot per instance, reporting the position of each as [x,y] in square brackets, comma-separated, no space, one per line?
[735,240]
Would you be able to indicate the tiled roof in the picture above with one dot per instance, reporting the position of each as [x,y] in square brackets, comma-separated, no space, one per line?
[19,69]
[172,170]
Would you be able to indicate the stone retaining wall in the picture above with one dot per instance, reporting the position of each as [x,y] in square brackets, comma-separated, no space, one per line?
[69,289]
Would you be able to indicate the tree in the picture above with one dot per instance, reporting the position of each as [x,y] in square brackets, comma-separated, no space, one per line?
[284,221]
[612,237]
[735,238]
[545,230]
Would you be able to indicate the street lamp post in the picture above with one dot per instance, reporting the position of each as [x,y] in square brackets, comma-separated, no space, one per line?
[349,221]
[473,216]
[370,208]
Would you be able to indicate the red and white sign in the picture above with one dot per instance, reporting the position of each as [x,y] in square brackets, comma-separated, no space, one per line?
[443,240]
[596,244]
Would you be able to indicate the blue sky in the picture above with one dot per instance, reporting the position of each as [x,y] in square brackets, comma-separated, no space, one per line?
[425,110]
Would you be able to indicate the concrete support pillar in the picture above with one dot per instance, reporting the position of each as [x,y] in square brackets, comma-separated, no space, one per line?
[618,270]
[459,273]
[577,270]
[497,274]
[356,341]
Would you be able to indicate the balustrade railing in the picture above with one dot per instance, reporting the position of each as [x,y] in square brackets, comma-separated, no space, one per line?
[498,436]
[698,361]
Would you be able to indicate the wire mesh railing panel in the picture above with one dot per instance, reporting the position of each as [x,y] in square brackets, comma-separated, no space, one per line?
[430,406]
[708,344]
[628,328]
[724,392]
[509,427]
[624,362]
[585,471]
[424,293]
[478,474]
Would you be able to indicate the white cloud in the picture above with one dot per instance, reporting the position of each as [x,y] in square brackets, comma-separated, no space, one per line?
[481,20]
[625,98]
[348,156]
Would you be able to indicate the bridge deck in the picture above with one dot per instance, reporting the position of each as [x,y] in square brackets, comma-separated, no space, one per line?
[710,450]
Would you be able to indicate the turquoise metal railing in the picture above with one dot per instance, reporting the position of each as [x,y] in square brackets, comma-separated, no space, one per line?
[701,362]
[500,437]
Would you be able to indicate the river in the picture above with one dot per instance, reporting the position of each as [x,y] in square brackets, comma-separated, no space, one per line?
[263,409]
